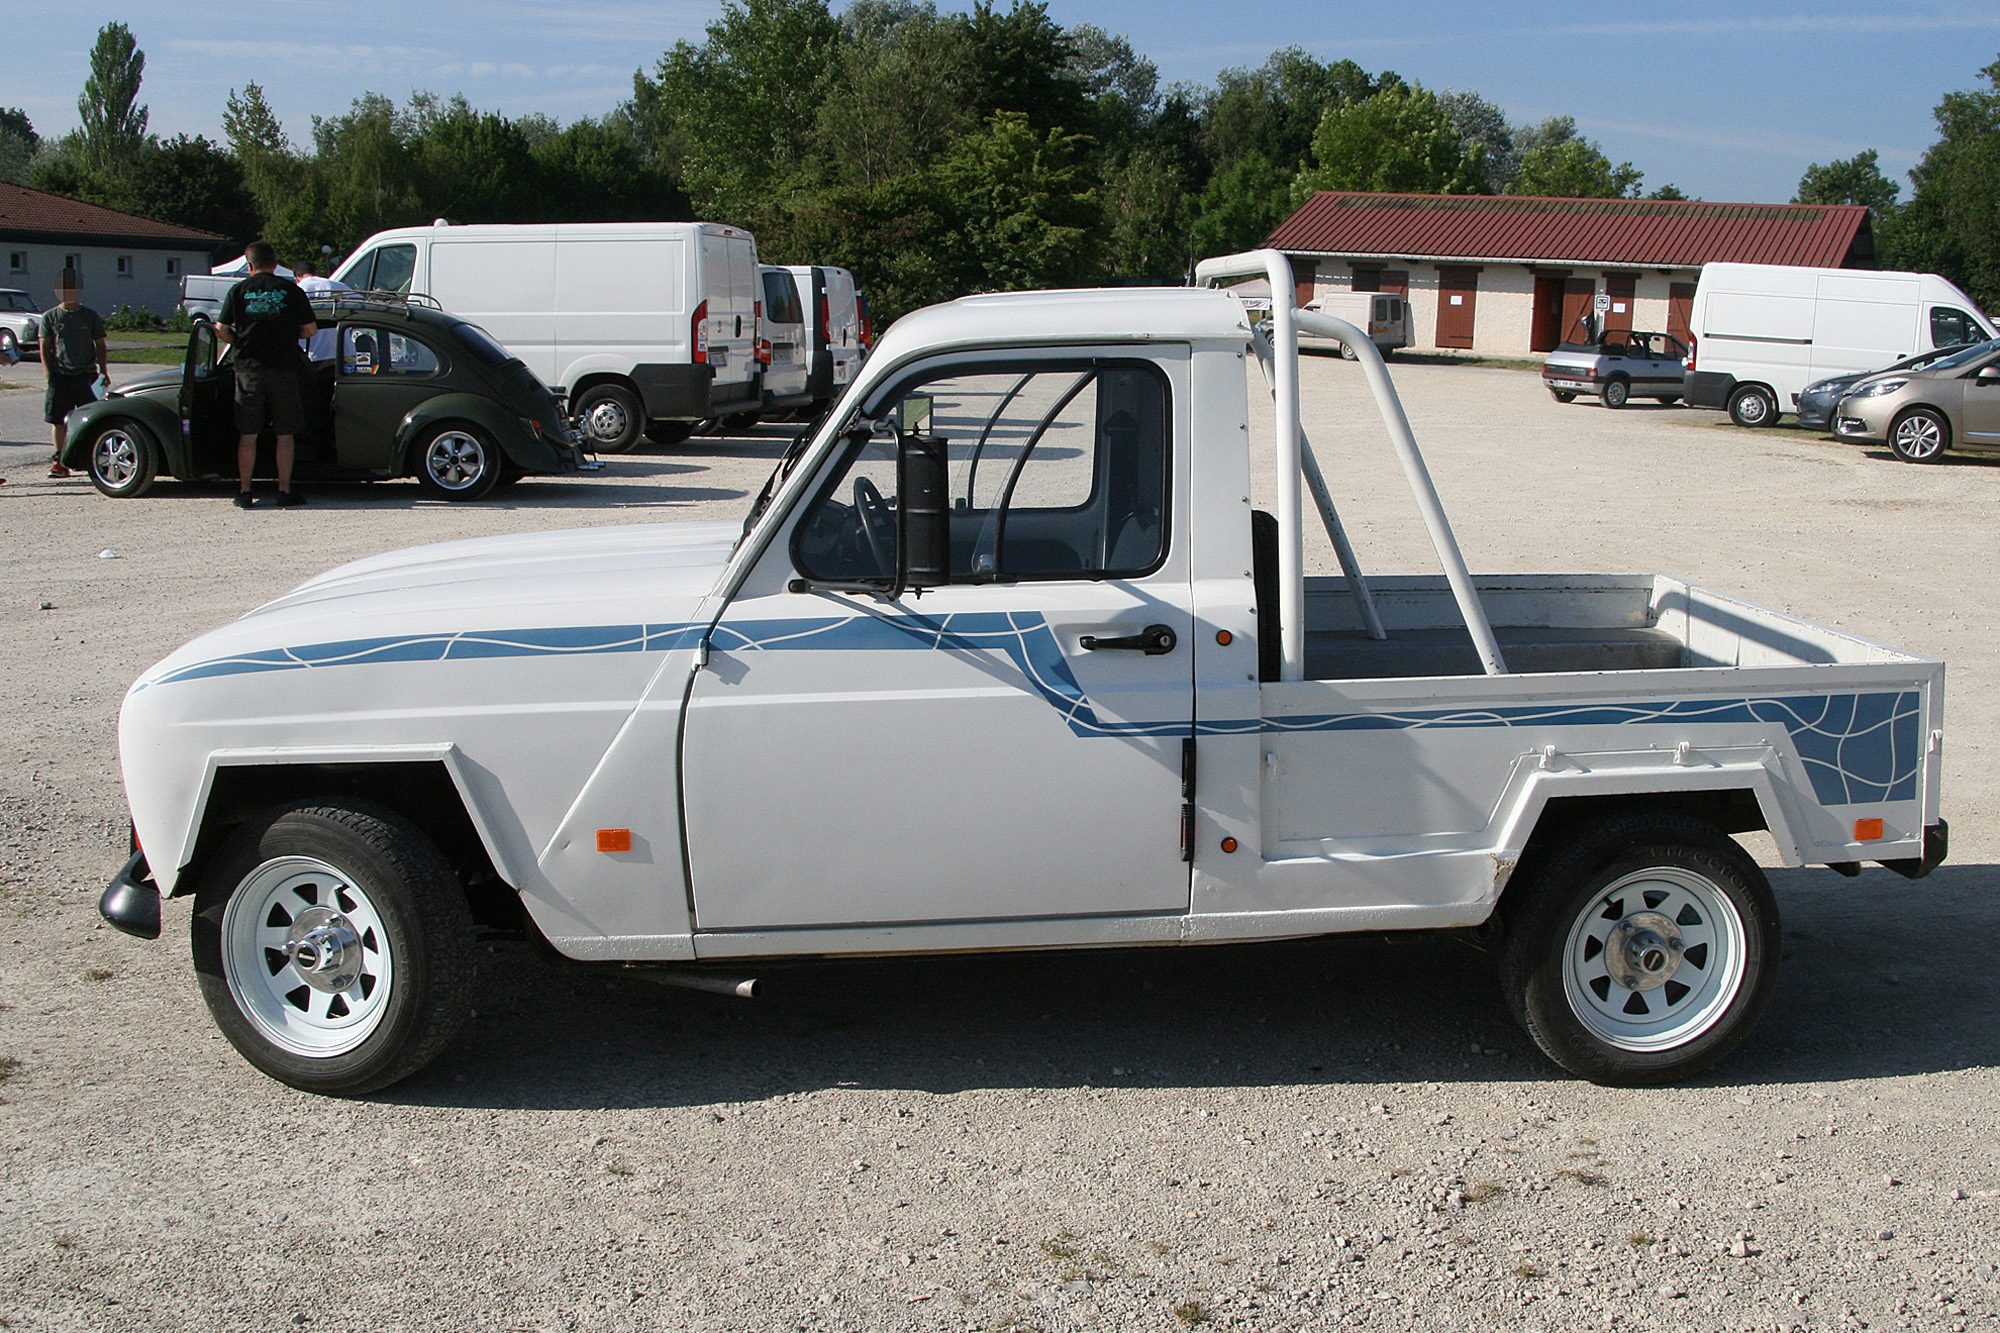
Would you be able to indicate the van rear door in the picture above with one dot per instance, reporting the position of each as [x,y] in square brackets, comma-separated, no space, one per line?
[621,302]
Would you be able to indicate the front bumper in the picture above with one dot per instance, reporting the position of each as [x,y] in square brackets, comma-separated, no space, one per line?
[1863,419]
[1816,410]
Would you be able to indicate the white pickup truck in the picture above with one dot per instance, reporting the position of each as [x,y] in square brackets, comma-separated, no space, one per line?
[1005,658]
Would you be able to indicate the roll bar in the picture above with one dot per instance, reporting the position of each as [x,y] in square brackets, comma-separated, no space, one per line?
[1286,322]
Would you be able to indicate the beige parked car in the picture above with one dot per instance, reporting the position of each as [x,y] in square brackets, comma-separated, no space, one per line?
[1950,404]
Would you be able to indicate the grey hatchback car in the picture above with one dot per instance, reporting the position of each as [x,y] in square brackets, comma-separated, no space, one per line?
[1620,365]
[1950,404]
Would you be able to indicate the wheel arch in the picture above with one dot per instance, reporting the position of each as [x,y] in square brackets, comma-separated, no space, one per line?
[430,788]
[1909,409]
[502,425]
[160,423]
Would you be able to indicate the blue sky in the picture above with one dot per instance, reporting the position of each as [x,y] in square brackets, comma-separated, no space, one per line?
[1728,101]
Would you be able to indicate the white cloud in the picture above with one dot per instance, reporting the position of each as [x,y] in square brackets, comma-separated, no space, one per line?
[1837,24]
[1774,145]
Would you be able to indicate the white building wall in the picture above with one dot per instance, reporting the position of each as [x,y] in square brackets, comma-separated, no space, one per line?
[146,284]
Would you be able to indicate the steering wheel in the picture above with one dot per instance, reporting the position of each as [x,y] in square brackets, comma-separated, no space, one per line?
[878,525]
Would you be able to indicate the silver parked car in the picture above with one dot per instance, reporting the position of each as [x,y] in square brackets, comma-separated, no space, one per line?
[20,324]
[1621,364]
[1950,404]
[1817,403]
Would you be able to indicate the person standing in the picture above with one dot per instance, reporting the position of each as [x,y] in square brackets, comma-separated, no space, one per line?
[265,317]
[73,353]
[319,347]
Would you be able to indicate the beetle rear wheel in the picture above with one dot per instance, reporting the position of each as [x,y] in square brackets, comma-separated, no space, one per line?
[1645,950]
[334,946]
[457,462]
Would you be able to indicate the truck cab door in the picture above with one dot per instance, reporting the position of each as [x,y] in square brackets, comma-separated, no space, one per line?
[1007,746]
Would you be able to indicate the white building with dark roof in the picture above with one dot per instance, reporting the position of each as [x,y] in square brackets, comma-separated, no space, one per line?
[124,259]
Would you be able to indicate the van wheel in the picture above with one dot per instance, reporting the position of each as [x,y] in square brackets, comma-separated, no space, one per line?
[124,460]
[1348,353]
[1752,406]
[611,418]
[1616,392]
[1920,436]
[1645,949]
[669,433]
[1668,400]
[334,946]
[742,421]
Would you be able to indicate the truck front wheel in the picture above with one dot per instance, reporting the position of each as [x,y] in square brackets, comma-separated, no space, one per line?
[333,945]
[1752,405]
[1645,949]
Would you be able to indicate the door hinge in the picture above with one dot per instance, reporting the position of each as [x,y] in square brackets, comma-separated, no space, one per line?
[701,653]
[1187,798]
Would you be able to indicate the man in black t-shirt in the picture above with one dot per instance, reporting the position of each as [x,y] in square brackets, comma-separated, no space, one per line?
[264,316]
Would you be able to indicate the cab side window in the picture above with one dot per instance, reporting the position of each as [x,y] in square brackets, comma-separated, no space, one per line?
[1951,325]
[394,266]
[381,352]
[1056,471]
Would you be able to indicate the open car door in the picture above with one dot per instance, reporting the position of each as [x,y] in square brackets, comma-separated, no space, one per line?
[208,406]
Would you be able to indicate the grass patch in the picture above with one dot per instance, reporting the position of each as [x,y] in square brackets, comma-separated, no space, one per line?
[619,1167]
[1582,1177]
[99,974]
[1191,1313]
[1484,1190]
[148,356]
[9,1067]
[1058,1246]
[1525,1270]
[65,1241]
[1638,1240]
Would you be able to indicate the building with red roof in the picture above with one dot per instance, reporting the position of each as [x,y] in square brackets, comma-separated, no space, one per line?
[124,259]
[1511,275]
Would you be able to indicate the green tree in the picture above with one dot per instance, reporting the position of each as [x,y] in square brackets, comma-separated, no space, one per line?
[1483,125]
[1952,223]
[1401,139]
[1573,168]
[114,124]
[189,181]
[1147,207]
[1240,206]
[18,144]
[1276,109]
[1023,210]
[1022,63]
[731,118]
[471,166]
[592,171]
[368,176]
[872,129]
[1857,180]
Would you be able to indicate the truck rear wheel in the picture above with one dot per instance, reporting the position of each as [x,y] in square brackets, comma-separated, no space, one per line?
[333,945]
[611,418]
[1644,950]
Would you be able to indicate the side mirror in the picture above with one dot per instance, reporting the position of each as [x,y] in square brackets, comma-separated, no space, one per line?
[1987,375]
[923,512]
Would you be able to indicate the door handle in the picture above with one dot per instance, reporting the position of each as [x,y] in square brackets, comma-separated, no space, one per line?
[1152,641]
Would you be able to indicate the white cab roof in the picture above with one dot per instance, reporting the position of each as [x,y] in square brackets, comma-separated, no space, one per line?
[1089,315]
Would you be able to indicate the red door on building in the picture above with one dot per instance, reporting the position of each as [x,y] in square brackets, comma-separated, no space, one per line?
[1458,289]
[1548,318]
[1577,296]
[1304,273]
[1621,288]
[1680,312]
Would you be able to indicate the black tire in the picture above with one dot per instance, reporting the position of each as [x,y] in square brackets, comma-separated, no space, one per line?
[358,873]
[1348,353]
[1562,395]
[1920,435]
[1669,400]
[611,417]
[742,421]
[1616,393]
[123,458]
[1753,406]
[667,434]
[1700,979]
[457,461]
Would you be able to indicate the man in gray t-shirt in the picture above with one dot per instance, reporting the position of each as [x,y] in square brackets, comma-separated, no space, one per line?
[73,354]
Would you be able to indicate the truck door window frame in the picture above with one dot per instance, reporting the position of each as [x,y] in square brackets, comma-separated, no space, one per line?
[1088,372]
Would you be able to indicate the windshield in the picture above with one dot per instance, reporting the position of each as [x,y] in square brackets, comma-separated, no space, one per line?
[793,452]
[16,301]
[1968,356]
[480,343]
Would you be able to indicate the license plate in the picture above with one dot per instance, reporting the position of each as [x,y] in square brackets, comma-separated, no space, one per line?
[719,357]
[840,370]
[1569,384]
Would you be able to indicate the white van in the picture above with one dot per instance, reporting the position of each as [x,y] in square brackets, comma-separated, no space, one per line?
[782,343]
[1763,332]
[646,327]
[833,330]
[1383,316]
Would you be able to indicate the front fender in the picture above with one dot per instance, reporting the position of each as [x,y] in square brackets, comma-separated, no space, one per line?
[162,422]
[524,450]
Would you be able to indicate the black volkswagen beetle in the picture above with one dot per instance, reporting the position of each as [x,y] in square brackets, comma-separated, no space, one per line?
[411,391]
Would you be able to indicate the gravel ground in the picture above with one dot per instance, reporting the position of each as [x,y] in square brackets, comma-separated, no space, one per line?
[1331,1134]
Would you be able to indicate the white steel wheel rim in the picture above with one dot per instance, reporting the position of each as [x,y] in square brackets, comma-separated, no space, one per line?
[115,458]
[1919,436]
[1753,407]
[1677,1001]
[607,421]
[285,979]
[455,460]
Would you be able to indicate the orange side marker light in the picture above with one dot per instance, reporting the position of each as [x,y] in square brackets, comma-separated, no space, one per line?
[1867,830]
[614,840]
[1229,844]
[1224,637]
